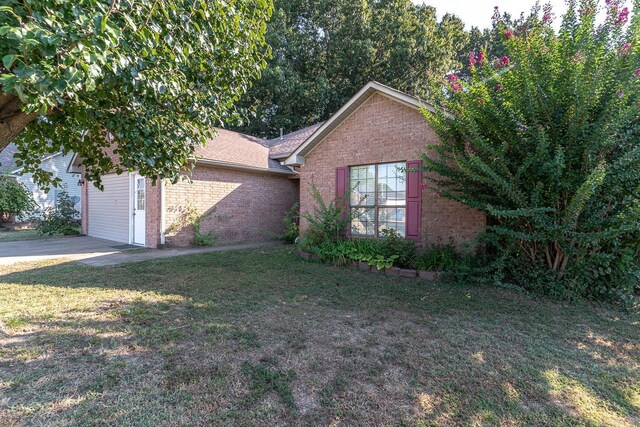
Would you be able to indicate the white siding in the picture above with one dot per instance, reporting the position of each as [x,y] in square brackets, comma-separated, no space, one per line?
[109,209]
[57,164]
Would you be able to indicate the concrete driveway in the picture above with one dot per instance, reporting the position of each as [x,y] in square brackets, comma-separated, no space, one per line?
[73,248]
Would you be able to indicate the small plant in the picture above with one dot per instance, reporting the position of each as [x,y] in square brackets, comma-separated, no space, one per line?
[189,216]
[380,261]
[15,199]
[61,219]
[291,224]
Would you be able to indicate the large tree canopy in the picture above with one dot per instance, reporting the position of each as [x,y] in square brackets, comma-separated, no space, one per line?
[155,75]
[545,140]
[324,51]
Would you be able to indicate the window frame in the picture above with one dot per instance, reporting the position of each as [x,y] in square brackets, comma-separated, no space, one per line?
[376,206]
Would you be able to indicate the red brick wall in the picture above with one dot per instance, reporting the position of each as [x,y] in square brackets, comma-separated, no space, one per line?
[383,130]
[236,205]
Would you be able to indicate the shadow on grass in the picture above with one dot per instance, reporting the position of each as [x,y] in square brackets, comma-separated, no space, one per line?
[259,337]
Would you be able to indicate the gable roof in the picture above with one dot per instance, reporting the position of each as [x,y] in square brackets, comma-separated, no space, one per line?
[7,162]
[297,156]
[282,147]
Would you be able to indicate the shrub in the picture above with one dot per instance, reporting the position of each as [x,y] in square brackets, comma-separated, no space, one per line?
[439,258]
[61,219]
[544,140]
[15,199]
[326,223]
[291,224]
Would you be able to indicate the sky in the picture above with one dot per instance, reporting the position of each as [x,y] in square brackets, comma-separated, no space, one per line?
[477,13]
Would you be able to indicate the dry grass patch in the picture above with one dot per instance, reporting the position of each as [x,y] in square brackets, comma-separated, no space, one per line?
[261,338]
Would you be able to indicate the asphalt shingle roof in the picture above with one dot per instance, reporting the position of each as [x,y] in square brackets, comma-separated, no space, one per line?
[283,147]
[238,149]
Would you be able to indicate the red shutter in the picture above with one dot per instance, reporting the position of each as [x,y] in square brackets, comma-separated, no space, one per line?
[414,200]
[342,186]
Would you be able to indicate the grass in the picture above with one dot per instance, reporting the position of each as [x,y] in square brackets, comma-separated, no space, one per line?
[14,236]
[262,338]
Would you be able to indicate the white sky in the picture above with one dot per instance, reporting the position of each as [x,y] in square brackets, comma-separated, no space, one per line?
[478,12]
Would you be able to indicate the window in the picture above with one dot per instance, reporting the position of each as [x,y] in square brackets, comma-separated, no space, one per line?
[140,193]
[378,199]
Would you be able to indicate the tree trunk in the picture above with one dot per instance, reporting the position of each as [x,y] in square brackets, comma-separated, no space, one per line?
[12,119]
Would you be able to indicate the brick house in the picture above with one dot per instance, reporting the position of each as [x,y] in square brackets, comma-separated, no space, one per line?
[366,154]
[370,150]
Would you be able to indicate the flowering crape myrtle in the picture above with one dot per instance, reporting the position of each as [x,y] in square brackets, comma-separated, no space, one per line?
[545,141]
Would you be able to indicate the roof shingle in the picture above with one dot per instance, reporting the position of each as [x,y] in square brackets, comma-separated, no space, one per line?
[283,147]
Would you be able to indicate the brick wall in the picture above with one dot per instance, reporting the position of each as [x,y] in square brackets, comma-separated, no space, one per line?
[236,205]
[383,130]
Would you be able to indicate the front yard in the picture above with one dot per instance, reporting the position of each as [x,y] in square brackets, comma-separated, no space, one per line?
[260,337]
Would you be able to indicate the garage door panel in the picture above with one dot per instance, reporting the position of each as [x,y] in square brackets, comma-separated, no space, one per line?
[108,216]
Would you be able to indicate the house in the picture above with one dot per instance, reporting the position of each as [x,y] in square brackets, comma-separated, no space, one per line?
[54,163]
[241,187]
[370,151]
[236,189]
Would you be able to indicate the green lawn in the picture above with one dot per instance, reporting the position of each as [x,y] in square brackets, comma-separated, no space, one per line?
[14,236]
[262,338]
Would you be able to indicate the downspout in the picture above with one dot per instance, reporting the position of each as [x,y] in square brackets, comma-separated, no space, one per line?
[162,205]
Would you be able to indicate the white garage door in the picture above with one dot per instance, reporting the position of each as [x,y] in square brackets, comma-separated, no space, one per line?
[109,209]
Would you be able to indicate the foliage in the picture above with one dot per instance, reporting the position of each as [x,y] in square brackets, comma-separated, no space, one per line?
[62,219]
[326,223]
[190,216]
[324,51]
[438,258]
[15,198]
[156,75]
[291,224]
[544,140]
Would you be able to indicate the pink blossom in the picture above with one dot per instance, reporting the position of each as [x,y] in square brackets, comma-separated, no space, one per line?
[503,62]
[637,73]
[623,17]
[481,58]
[437,193]
[620,94]
[423,185]
[522,128]
[452,78]
[472,60]
[546,18]
[456,87]
[626,49]
[499,87]
[508,34]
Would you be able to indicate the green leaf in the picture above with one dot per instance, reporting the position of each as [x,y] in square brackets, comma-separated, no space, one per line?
[8,60]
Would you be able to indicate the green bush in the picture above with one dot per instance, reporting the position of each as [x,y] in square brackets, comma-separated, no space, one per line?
[544,141]
[326,223]
[15,199]
[439,258]
[61,219]
[291,224]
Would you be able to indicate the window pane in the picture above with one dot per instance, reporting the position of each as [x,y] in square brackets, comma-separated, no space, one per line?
[391,218]
[363,222]
[140,190]
[391,184]
[362,184]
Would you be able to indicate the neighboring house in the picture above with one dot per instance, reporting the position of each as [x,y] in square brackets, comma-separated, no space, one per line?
[242,186]
[56,164]
[239,192]
[372,147]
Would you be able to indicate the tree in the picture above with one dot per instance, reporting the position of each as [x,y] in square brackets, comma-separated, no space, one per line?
[15,198]
[324,51]
[156,76]
[545,141]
